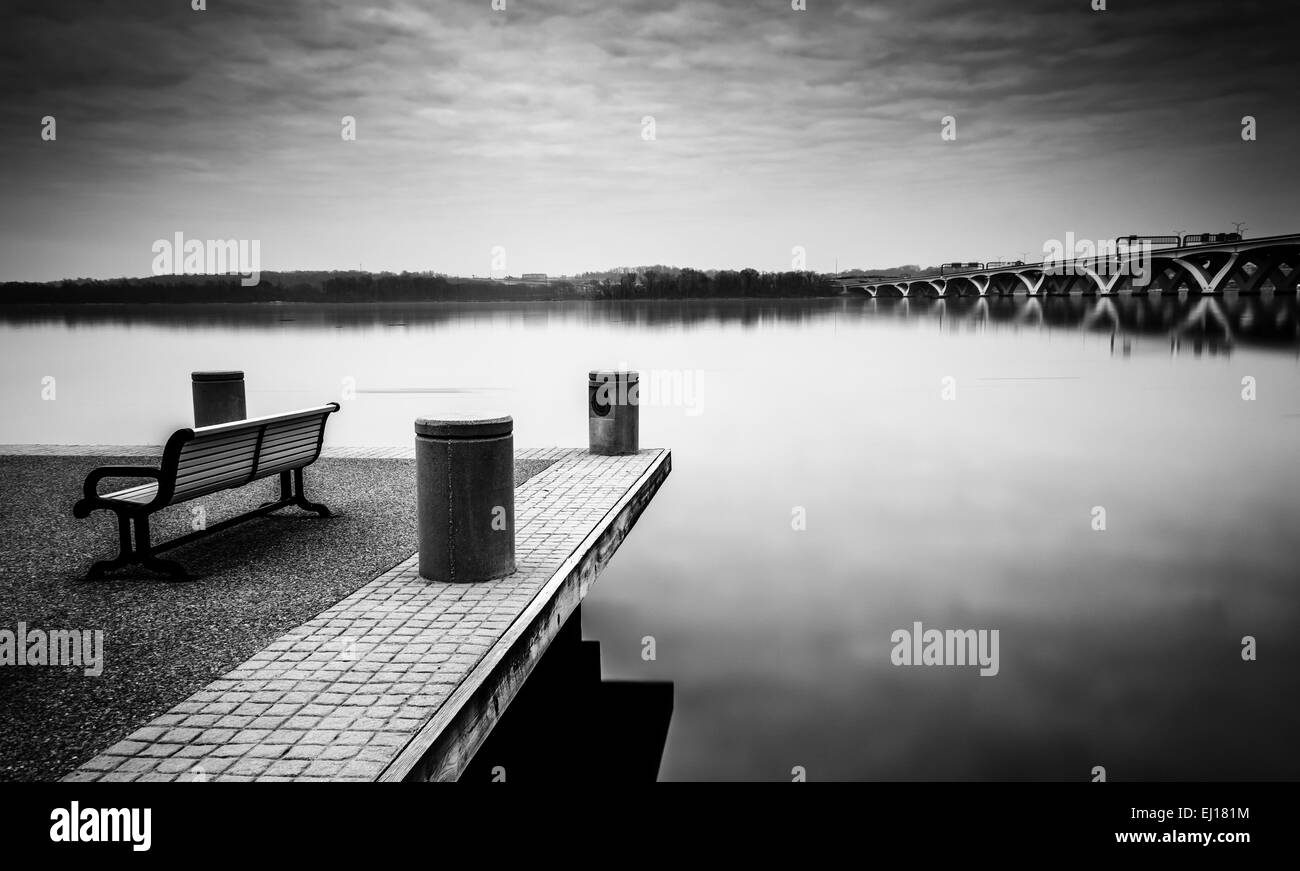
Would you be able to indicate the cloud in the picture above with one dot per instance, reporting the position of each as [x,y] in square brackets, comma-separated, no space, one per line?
[472,123]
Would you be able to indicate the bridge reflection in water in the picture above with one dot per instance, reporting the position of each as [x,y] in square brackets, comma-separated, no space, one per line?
[1199,321]
[1196,323]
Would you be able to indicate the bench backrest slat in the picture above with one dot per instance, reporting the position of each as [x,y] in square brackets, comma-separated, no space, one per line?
[232,454]
[205,468]
[287,443]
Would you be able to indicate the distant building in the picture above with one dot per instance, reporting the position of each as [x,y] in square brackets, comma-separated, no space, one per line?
[536,276]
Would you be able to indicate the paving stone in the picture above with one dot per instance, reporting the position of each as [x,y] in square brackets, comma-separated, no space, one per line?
[340,696]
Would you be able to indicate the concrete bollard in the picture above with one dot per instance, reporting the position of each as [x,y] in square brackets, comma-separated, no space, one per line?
[218,397]
[613,411]
[465,497]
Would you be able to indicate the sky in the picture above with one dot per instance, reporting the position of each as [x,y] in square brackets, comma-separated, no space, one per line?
[527,130]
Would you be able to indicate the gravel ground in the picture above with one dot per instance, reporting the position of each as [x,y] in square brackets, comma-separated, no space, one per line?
[163,641]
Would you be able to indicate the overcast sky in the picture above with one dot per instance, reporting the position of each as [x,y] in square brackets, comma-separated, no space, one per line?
[773,129]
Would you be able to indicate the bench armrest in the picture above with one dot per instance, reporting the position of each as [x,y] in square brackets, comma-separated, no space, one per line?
[90,490]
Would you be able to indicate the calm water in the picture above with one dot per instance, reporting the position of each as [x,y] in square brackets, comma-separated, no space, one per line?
[1118,648]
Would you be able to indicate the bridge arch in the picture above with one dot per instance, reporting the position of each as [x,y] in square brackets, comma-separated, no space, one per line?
[1274,266]
[1209,270]
[1005,282]
[1102,284]
[1031,279]
[923,288]
[960,285]
[1172,274]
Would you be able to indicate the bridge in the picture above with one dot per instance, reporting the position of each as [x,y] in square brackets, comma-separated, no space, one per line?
[1247,266]
[1200,321]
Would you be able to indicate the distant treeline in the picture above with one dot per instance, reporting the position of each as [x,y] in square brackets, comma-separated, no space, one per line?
[278,287]
[891,272]
[720,284]
[347,287]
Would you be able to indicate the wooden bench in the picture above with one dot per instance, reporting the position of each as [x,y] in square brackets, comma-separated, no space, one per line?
[196,462]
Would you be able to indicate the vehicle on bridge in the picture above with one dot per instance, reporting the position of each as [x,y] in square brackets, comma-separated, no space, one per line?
[1134,239]
[958,267]
[1210,238]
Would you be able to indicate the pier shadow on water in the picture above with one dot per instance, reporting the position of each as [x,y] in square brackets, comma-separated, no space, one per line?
[566,723]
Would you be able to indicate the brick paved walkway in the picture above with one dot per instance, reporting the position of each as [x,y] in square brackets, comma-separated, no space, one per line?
[343,695]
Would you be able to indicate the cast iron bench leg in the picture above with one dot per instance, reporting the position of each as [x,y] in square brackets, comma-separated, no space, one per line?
[125,553]
[300,497]
[286,493]
[145,553]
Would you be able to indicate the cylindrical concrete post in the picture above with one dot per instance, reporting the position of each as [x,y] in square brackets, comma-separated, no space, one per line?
[218,397]
[465,497]
[613,411]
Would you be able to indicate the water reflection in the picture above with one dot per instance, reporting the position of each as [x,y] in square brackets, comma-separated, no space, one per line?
[1199,323]
[567,724]
[1119,648]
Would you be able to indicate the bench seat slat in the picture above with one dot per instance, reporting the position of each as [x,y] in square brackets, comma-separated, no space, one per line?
[139,495]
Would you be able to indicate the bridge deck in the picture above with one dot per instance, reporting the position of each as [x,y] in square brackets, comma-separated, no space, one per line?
[1164,251]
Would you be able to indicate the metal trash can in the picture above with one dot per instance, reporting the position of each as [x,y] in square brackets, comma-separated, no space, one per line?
[465,497]
[218,397]
[613,411]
